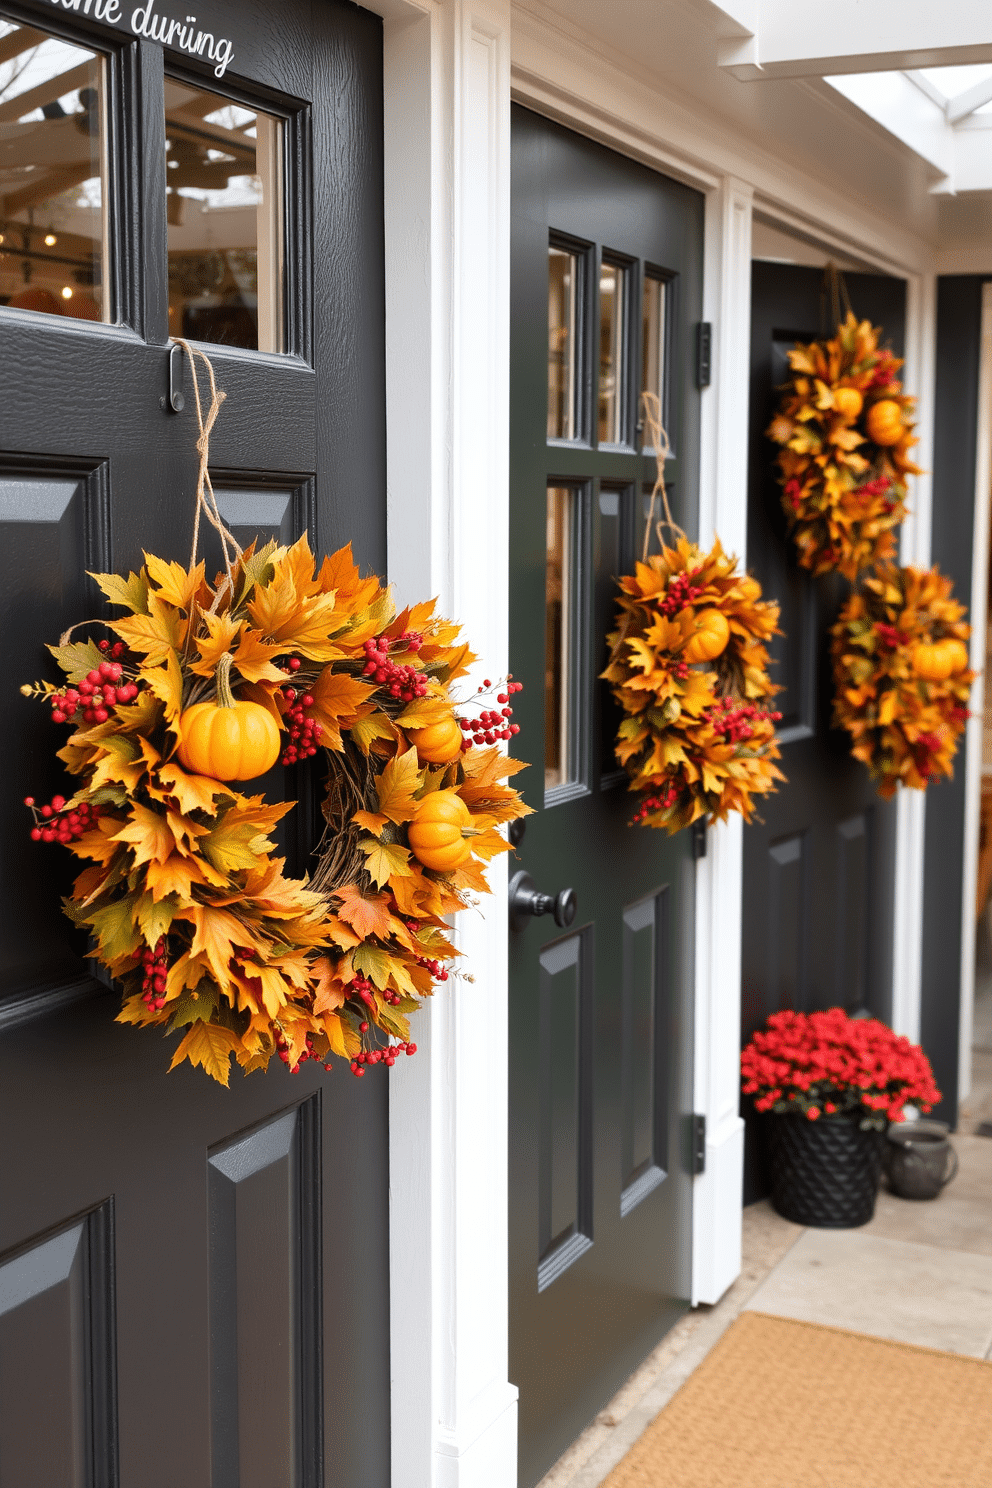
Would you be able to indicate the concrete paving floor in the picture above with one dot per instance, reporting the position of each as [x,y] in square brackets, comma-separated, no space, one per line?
[918,1273]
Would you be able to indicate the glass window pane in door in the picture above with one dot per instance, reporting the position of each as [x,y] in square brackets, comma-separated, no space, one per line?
[612,293]
[653,338]
[562,296]
[225,220]
[53,175]
[558,764]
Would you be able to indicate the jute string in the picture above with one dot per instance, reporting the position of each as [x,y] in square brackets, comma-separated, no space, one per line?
[834,289]
[658,439]
[206,501]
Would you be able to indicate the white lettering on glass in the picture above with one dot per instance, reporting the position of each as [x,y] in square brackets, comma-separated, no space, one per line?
[182,36]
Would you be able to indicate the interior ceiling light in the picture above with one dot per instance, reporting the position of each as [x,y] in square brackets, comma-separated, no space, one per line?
[66,292]
[50,240]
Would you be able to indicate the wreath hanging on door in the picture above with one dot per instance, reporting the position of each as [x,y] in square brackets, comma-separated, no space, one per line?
[846,428]
[901,675]
[689,667]
[202,686]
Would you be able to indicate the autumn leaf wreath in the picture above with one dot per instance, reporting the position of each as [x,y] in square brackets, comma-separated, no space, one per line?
[688,666]
[845,428]
[201,686]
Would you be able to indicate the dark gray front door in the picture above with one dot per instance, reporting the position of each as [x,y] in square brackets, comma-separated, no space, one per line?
[193,1281]
[606,292]
[819,865]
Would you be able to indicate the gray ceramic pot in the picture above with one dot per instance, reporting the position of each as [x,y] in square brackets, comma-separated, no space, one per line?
[919,1160]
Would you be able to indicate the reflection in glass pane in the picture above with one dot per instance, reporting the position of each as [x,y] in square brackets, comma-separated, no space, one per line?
[558,640]
[52,175]
[224,209]
[612,288]
[653,341]
[562,275]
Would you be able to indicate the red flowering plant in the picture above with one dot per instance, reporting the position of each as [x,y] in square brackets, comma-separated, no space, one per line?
[828,1064]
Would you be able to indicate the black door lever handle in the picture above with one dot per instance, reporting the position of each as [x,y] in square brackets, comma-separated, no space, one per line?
[526,902]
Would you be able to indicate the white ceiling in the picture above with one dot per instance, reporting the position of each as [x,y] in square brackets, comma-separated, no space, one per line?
[886,140]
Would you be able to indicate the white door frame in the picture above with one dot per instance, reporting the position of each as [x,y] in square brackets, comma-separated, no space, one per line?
[447,175]
[975,726]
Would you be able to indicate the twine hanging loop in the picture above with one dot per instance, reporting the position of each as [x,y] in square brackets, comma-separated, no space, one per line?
[658,438]
[206,501]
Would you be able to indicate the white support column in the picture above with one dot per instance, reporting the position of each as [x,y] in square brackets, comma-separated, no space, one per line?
[447,94]
[717,1192]
[907,930]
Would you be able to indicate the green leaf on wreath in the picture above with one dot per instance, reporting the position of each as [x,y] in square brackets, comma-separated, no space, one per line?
[115,929]
[131,593]
[78,658]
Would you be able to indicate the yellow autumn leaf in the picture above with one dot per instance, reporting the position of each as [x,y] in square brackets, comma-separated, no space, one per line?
[209,1046]
[221,633]
[154,635]
[192,792]
[255,658]
[396,786]
[175,585]
[147,834]
[383,860]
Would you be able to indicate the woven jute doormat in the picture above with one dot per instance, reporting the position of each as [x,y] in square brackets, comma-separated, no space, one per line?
[780,1404]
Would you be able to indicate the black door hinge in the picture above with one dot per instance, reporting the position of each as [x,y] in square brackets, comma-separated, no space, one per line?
[698,1145]
[698,830]
[704,353]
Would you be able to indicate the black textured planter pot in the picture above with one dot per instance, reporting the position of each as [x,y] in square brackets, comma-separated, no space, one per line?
[824,1173]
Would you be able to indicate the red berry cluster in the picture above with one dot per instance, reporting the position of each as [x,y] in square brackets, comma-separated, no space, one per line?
[386,1055]
[155,965]
[491,725]
[304,732]
[437,969]
[680,669]
[656,803]
[403,682]
[282,1049]
[876,488]
[735,721]
[680,592]
[53,823]
[890,635]
[100,690]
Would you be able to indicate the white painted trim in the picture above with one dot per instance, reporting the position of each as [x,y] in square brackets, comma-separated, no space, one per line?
[919,375]
[974,730]
[447,179]
[716,1211]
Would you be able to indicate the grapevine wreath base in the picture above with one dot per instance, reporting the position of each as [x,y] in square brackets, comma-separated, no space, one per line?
[203,684]
[846,428]
[901,675]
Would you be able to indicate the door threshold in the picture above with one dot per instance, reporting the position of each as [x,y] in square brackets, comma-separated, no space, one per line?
[594,1454]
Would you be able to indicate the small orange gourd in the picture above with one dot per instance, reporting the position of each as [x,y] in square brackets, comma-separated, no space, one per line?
[884,422]
[932,661]
[438,743]
[957,652]
[437,832]
[848,402]
[711,636]
[228,738]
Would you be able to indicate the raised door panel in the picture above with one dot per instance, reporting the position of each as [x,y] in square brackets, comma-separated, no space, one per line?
[56,1360]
